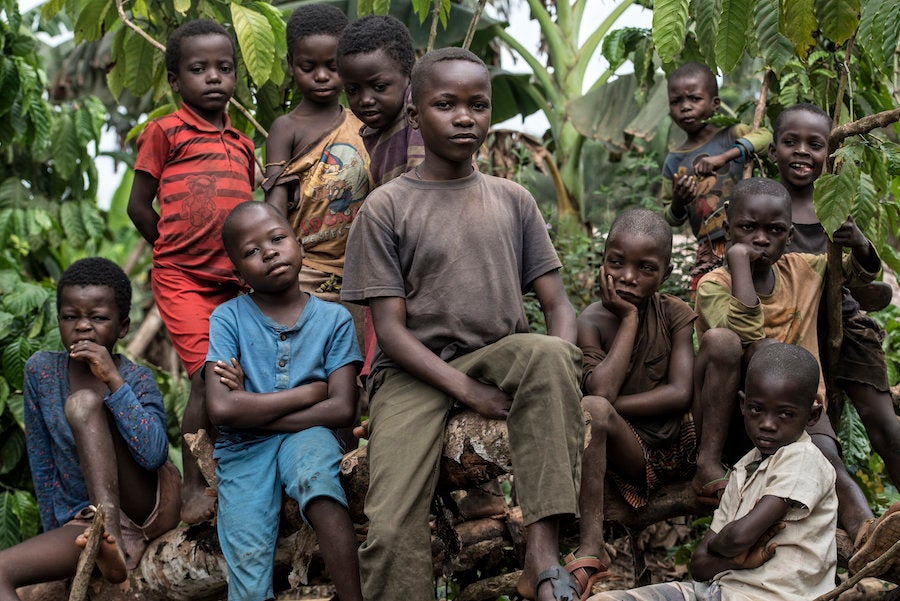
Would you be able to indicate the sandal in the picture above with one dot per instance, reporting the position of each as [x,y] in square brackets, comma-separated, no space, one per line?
[565,588]
[578,567]
[711,493]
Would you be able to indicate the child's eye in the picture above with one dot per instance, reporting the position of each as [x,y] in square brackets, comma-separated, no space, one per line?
[196,69]
[380,87]
[226,68]
[67,318]
[278,238]
[251,252]
[100,318]
[442,104]
[481,106]
[648,268]
[350,90]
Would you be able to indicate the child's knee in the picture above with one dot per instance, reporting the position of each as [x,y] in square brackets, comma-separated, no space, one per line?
[601,411]
[722,346]
[81,404]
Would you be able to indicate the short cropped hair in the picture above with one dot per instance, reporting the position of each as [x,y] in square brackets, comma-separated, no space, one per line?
[97,271]
[314,19]
[426,65]
[697,70]
[379,32]
[234,217]
[192,29]
[757,186]
[780,362]
[644,222]
[805,107]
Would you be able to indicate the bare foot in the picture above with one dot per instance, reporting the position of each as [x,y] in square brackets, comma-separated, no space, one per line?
[707,478]
[110,558]
[196,505]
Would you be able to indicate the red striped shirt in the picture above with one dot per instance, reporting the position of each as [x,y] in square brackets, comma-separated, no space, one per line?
[203,174]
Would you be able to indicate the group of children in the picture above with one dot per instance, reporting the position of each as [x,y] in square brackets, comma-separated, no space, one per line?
[381,207]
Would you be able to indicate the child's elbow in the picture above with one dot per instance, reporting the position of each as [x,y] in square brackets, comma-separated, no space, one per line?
[345,416]
[219,414]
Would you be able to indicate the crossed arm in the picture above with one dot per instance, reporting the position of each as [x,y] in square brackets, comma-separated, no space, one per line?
[331,404]
[742,544]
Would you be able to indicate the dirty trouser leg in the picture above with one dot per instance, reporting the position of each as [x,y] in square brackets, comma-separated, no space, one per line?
[406,425]
[666,591]
[546,424]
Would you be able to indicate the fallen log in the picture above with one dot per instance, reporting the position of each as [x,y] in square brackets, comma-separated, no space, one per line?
[187,562]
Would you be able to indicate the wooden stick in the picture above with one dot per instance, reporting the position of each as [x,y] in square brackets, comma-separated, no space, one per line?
[435,15]
[871,567]
[473,25]
[201,447]
[862,125]
[758,115]
[145,334]
[88,557]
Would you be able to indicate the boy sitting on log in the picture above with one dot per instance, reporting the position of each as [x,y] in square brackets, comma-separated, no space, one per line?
[281,375]
[779,497]
[442,254]
[638,357]
[95,429]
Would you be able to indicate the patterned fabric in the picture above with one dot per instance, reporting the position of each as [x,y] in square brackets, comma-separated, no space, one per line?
[327,182]
[137,409]
[203,173]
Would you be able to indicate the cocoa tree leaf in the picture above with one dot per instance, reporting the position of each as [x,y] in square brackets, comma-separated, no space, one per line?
[731,36]
[799,21]
[774,46]
[669,26]
[256,41]
[838,19]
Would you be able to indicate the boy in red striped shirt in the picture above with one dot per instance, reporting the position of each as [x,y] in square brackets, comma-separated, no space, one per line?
[199,168]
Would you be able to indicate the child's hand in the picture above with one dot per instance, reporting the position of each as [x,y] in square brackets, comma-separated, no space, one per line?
[232,375]
[739,252]
[762,551]
[487,400]
[684,190]
[850,236]
[613,303]
[100,362]
[709,165]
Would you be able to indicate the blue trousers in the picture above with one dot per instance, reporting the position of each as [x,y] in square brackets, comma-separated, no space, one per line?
[251,476]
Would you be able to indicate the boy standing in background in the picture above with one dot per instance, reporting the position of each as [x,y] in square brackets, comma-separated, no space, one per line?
[199,168]
[698,177]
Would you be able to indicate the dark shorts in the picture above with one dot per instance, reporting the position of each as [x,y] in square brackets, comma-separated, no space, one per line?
[862,356]
[676,461]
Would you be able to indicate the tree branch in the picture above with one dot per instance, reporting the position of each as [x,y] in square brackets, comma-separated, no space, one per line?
[862,126]
[473,25]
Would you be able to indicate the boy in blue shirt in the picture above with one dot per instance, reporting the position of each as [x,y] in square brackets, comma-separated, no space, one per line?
[281,375]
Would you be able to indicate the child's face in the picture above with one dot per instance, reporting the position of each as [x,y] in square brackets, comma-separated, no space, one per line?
[314,67]
[690,103]
[205,78]
[90,313]
[638,266]
[801,148]
[453,113]
[375,87]
[265,252]
[762,223]
[774,415]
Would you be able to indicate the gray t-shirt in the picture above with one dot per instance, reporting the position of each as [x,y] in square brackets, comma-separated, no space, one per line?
[461,252]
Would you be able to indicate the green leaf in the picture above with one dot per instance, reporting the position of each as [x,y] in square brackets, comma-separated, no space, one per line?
[89,20]
[833,198]
[732,34]
[40,121]
[27,511]
[25,298]
[669,26]
[4,392]
[9,522]
[838,19]
[799,21]
[706,24]
[16,404]
[256,41]
[13,359]
[618,44]
[66,150]
[890,12]
[11,450]
[72,224]
[139,59]
[94,223]
[774,46]
[865,207]
[182,6]
[870,36]
[381,7]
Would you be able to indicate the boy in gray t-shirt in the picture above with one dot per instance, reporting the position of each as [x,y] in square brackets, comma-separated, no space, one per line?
[442,256]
